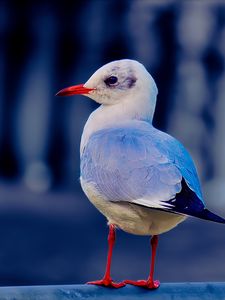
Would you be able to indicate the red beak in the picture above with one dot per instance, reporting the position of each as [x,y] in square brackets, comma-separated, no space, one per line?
[79,89]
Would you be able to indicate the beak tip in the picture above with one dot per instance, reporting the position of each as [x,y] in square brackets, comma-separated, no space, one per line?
[62,93]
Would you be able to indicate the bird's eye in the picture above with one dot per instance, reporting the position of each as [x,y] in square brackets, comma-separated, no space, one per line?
[111,80]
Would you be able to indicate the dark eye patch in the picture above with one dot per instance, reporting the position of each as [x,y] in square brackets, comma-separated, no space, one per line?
[130,81]
[111,80]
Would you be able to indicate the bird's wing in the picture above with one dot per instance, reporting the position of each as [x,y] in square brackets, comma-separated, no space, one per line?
[142,166]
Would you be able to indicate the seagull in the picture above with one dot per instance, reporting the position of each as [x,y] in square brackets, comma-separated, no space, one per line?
[141,179]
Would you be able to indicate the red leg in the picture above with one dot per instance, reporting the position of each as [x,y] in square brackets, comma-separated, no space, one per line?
[107,280]
[149,283]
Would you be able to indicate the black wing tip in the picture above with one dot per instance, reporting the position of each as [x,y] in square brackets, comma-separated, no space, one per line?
[189,204]
[208,215]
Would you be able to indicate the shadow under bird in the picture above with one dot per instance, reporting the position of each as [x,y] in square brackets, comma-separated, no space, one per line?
[142,179]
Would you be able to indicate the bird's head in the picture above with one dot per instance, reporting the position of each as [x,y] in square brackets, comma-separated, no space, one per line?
[115,82]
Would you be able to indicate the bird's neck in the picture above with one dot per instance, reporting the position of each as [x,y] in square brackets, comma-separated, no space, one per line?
[114,115]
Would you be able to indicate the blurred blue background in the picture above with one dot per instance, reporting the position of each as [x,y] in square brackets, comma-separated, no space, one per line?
[49,232]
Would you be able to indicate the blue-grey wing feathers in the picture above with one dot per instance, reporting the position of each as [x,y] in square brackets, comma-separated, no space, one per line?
[145,166]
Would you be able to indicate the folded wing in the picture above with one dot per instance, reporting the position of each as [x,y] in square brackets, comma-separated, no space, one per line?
[142,165]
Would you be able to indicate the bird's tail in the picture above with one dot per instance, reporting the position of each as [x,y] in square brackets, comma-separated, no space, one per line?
[208,215]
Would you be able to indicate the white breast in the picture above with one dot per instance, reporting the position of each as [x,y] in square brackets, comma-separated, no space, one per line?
[120,113]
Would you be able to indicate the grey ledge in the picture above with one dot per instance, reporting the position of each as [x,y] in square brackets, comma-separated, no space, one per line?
[167,291]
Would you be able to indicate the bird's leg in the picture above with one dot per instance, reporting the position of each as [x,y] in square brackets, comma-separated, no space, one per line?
[149,283]
[107,280]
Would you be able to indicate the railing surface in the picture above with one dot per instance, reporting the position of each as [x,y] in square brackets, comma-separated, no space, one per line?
[167,291]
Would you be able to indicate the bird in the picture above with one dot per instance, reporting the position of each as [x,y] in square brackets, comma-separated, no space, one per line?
[141,179]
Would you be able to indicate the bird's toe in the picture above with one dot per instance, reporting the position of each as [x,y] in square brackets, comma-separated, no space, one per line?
[148,284]
[107,283]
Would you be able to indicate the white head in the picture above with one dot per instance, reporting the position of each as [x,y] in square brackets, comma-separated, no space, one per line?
[125,83]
